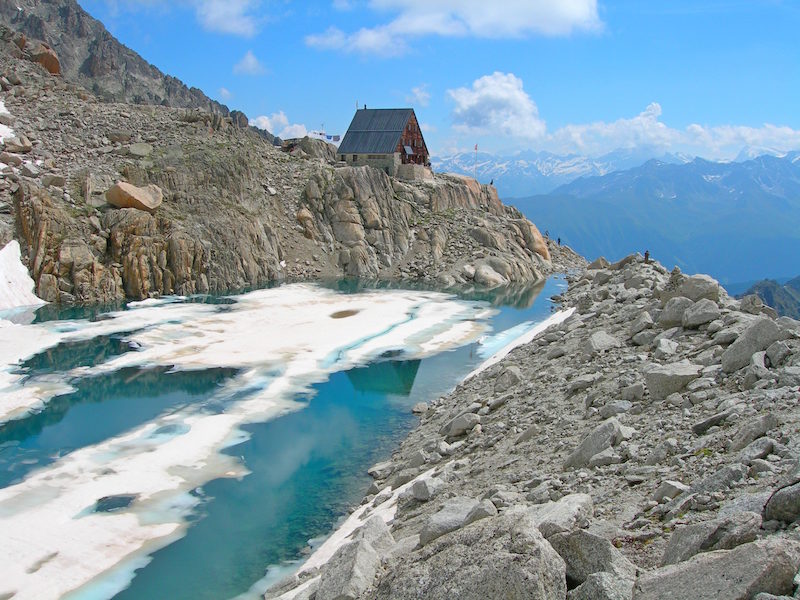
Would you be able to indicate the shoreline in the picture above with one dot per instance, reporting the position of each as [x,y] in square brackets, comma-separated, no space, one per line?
[652,433]
[387,508]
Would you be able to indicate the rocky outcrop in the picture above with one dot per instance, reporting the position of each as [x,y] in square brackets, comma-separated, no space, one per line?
[236,211]
[651,474]
[453,227]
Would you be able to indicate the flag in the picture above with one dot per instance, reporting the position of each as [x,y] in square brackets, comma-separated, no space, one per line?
[476,147]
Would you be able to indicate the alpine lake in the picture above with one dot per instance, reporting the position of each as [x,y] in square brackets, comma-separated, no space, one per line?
[199,448]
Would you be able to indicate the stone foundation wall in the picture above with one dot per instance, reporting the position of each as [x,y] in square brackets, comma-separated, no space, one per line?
[388,163]
[412,172]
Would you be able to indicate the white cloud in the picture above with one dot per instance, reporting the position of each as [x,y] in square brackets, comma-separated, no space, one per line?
[236,17]
[646,130]
[228,16]
[225,93]
[278,124]
[419,95]
[331,39]
[497,104]
[295,130]
[249,65]
[643,130]
[461,18]
[344,4]
[497,107]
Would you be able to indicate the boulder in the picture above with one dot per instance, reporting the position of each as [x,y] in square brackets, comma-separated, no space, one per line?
[721,479]
[663,380]
[757,449]
[509,377]
[777,353]
[672,315]
[583,382]
[449,518]
[483,510]
[125,195]
[757,337]
[784,504]
[609,433]
[585,553]
[669,489]
[349,572]
[140,150]
[376,533]
[603,586]
[382,470]
[17,145]
[570,512]
[701,312]
[44,55]
[719,534]
[665,348]
[599,342]
[460,425]
[487,276]
[752,430]
[763,566]
[426,488]
[642,322]
[598,263]
[500,557]
[699,287]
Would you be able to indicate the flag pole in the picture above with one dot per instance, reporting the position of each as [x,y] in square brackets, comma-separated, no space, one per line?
[475,168]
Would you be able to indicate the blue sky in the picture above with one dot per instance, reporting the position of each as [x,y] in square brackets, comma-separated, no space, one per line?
[705,77]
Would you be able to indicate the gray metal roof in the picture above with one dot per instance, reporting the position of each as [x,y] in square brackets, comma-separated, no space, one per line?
[375,131]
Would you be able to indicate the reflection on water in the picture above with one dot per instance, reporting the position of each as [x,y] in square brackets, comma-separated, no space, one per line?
[390,377]
[307,469]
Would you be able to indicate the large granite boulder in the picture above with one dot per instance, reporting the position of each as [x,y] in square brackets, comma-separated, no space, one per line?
[718,534]
[501,557]
[663,380]
[757,337]
[44,55]
[606,435]
[125,195]
[763,566]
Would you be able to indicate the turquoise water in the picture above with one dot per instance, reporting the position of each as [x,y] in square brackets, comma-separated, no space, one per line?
[307,468]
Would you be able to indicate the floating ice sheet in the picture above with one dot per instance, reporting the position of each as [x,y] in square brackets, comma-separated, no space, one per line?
[56,538]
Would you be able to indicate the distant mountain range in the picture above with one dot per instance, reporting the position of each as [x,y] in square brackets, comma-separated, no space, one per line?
[783,298]
[528,173]
[737,221]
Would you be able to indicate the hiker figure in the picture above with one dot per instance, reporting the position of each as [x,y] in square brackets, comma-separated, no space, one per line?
[491,182]
[559,241]
[647,257]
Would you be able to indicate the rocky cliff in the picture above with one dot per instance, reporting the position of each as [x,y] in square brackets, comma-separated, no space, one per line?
[91,57]
[644,447]
[236,212]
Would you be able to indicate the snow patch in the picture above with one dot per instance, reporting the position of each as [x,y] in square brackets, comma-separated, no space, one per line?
[16,286]
[5,131]
[282,341]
